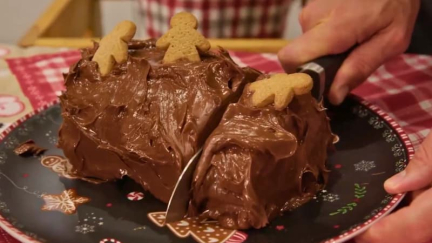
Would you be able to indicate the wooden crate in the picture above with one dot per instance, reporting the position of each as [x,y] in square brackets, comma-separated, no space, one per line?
[77,23]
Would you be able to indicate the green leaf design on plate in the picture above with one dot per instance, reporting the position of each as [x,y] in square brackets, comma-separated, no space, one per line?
[359,192]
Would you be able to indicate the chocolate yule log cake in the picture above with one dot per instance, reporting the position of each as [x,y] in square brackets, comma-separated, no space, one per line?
[265,157]
[134,108]
[143,109]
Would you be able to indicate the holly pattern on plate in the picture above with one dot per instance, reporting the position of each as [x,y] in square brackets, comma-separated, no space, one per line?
[397,150]
[3,157]
[359,192]
[201,231]
[360,111]
[400,165]
[389,136]
[376,122]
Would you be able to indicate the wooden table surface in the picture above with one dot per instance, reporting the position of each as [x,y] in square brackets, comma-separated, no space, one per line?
[248,45]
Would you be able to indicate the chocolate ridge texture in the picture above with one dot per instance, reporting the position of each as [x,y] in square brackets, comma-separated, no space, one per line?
[145,119]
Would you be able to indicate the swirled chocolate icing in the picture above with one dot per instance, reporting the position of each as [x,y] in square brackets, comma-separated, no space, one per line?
[145,119]
[259,163]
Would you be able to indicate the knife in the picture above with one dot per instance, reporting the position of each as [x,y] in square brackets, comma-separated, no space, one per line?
[322,70]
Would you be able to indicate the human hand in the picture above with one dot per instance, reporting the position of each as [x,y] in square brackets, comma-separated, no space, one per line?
[412,223]
[382,28]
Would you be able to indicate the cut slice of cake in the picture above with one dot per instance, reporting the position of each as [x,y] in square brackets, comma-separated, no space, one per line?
[262,160]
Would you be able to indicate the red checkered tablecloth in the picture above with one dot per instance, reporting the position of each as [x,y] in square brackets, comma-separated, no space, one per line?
[402,87]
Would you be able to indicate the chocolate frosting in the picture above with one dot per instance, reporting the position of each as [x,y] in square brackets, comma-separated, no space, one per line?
[259,163]
[145,119]
[29,147]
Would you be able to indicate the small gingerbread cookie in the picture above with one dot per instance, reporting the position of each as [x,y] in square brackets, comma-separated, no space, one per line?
[279,89]
[113,48]
[183,41]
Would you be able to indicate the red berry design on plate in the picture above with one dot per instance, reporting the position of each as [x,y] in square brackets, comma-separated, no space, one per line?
[280,227]
[237,237]
[109,241]
[135,196]
[109,205]
[338,166]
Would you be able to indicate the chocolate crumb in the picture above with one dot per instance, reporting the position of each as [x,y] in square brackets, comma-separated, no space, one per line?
[29,147]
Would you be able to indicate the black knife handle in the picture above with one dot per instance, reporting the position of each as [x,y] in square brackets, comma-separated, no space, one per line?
[323,71]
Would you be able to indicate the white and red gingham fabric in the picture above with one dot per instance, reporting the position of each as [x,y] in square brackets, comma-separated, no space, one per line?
[41,76]
[402,87]
[219,18]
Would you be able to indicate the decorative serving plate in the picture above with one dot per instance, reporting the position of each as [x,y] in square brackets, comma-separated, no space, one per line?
[37,205]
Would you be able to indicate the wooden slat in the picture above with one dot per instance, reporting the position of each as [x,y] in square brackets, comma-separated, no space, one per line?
[65,42]
[74,22]
[248,45]
[44,22]
[66,19]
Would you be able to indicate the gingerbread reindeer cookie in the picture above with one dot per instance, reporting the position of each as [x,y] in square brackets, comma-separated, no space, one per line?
[279,89]
[113,48]
[183,41]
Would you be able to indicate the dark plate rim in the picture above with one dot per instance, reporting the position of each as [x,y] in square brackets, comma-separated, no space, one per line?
[396,199]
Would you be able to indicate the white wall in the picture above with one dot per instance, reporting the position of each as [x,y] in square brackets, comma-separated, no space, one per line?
[16,16]
[293,27]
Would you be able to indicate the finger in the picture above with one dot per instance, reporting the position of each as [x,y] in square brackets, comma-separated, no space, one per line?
[322,40]
[410,224]
[417,193]
[418,173]
[359,65]
[365,59]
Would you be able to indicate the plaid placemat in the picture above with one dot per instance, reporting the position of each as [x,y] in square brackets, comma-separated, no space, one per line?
[219,19]
[402,87]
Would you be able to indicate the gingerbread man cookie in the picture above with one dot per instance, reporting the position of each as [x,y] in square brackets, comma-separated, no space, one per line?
[183,41]
[113,48]
[201,230]
[61,166]
[279,89]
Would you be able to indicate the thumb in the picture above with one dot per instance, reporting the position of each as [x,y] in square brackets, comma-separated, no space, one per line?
[364,60]
[409,224]
[418,173]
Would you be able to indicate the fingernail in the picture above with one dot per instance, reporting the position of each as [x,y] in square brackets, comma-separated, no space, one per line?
[395,180]
[337,97]
[343,92]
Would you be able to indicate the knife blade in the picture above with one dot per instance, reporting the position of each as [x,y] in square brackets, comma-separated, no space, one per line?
[322,70]
[178,203]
